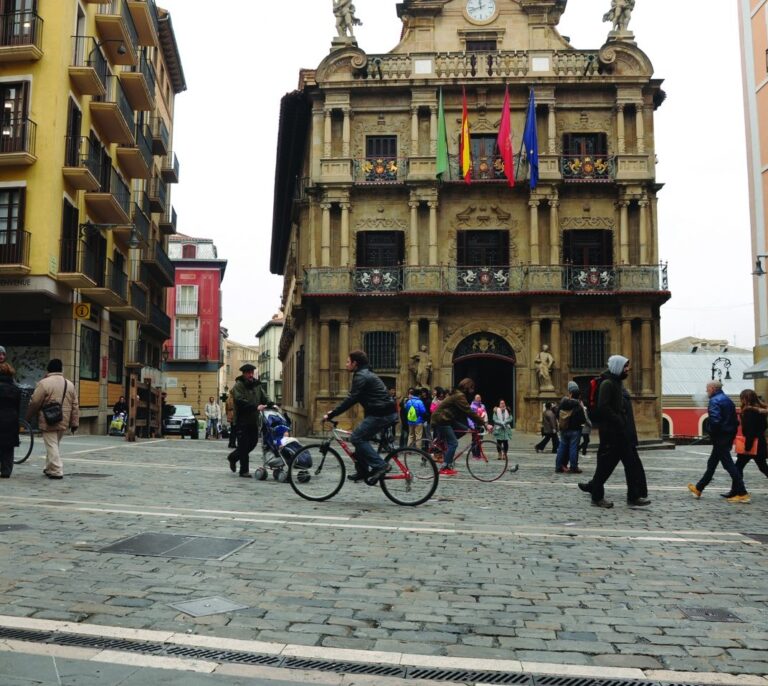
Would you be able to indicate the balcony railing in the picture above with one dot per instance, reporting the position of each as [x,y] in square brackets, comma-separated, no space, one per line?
[89,66]
[186,352]
[115,25]
[17,136]
[484,168]
[588,168]
[187,307]
[141,219]
[158,262]
[485,279]
[136,353]
[381,170]
[75,258]
[119,190]
[140,83]
[170,168]
[113,114]
[14,248]
[147,20]
[158,193]
[21,36]
[159,321]
[79,154]
[168,221]
[158,134]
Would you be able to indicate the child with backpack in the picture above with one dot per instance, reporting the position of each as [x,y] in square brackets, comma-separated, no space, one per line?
[415,415]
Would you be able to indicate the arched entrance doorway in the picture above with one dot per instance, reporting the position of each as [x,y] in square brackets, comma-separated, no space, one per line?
[490,362]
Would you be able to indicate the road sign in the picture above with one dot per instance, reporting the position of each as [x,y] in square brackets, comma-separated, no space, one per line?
[81,311]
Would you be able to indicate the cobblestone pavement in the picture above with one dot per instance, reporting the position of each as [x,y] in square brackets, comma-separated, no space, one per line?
[523,569]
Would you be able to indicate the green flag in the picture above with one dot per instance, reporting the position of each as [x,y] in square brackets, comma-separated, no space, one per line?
[442,165]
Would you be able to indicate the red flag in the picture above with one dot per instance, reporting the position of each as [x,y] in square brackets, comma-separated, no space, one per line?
[465,154]
[504,141]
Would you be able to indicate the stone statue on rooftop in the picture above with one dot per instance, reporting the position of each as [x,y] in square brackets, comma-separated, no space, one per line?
[620,14]
[344,11]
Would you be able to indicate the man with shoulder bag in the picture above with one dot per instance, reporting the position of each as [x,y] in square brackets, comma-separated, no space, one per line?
[55,401]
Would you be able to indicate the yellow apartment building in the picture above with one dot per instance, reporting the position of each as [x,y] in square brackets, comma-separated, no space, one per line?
[472,276]
[86,160]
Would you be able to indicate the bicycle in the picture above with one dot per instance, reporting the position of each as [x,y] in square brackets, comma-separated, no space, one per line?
[483,461]
[317,473]
[26,441]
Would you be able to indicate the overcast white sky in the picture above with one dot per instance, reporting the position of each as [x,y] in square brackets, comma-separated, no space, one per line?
[239,63]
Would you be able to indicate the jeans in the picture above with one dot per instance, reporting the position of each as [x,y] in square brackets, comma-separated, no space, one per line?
[721,453]
[568,450]
[447,434]
[212,429]
[361,437]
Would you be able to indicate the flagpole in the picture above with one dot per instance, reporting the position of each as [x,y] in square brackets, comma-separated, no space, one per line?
[522,138]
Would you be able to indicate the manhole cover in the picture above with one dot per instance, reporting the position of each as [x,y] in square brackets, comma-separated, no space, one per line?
[173,545]
[85,475]
[13,527]
[706,614]
[207,606]
[762,538]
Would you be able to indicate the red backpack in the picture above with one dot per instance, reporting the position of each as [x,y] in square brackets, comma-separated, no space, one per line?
[594,388]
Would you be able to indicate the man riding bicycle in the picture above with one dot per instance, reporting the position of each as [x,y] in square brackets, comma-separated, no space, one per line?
[379,409]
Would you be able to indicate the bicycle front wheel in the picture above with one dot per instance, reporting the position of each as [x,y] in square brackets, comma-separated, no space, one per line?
[26,441]
[315,475]
[485,463]
[412,477]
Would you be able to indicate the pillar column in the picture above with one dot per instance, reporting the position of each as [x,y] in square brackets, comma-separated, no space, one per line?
[325,235]
[346,135]
[432,232]
[555,348]
[624,230]
[554,232]
[414,131]
[328,134]
[622,136]
[644,239]
[646,357]
[434,351]
[344,238]
[640,126]
[534,240]
[626,338]
[413,336]
[433,132]
[534,351]
[325,357]
[343,346]
[551,130]
[413,235]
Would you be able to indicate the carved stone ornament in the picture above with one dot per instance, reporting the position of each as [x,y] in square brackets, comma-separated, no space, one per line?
[585,121]
[501,336]
[363,125]
[381,223]
[624,59]
[339,65]
[587,223]
[484,216]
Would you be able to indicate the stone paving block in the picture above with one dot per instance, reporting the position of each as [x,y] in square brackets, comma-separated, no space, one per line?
[557,658]
[629,661]
[392,646]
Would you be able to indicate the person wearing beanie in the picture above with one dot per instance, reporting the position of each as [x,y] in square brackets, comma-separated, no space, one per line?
[10,409]
[618,439]
[570,419]
[54,388]
[3,355]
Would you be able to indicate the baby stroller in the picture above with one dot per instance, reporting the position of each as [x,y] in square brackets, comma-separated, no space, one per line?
[274,427]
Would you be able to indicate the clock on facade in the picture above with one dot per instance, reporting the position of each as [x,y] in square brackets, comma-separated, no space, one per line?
[481,10]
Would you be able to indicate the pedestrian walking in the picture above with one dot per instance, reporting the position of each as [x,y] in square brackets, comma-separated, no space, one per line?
[548,429]
[249,400]
[55,401]
[723,425]
[753,426]
[10,410]
[426,437]
[212,418]
[414,414]
[503,422]
[618,439]
[452,415]
[570,419]
[229,408]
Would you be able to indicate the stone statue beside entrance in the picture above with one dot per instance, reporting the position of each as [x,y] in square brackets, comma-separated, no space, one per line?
[344,11]
[421,367]
[620,14]
[544,363]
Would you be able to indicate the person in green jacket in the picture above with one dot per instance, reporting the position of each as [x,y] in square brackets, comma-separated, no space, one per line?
[250,399]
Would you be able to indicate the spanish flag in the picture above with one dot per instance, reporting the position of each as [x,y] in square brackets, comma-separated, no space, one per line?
[465,151]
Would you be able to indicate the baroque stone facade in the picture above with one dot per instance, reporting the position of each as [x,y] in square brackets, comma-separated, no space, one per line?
[378,253]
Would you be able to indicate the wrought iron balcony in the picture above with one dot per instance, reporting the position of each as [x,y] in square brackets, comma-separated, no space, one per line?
[117,31]
[381,170]
[110,288]
[168,222]
[588,168]
[518,279]
[187,307]
[484,168]
[158,195]
[136,306]
[17,142]
[169,169]
[136,160]
[82,164]
[21,37]
[14,252]
[187,353]
[137,354]
[158,134]
[111,203]
[78,264]
[159,322]
[113,115]
[147,22]
[139,82]
[88,71]
[158,264]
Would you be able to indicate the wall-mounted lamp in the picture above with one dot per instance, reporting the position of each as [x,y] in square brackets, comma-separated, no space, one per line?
[726,365]
[165,354]
[134,241]
[759,271]
[121,49]
[184,390]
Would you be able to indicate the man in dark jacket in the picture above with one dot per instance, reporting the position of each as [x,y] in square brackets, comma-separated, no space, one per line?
[570,417]
[249,399]
[10,409]
[618,439]
[723,424]
[379,410]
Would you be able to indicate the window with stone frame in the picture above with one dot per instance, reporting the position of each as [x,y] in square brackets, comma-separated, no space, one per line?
[382,348]
[585,144]
[589,350]
[482,248]
[588,247]
[380,248]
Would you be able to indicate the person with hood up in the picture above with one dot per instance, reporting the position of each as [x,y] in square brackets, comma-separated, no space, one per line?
[249,400]
[618,439]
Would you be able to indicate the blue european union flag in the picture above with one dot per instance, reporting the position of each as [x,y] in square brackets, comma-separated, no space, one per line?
[531,142]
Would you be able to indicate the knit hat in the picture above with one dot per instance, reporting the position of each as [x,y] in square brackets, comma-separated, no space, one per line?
[55,366]
[572,386]
[2,350]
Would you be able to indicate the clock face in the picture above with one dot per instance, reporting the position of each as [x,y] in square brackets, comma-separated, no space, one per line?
[481,10]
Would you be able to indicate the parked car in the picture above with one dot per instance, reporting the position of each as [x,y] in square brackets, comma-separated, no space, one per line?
[180,420]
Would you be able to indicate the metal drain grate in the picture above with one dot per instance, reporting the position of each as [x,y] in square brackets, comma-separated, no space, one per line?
[189,547]
[24,634]
[467,676]
[223,655]
[343,667]
[707,614]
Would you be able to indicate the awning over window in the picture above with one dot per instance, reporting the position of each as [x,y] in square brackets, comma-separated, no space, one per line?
[759,370]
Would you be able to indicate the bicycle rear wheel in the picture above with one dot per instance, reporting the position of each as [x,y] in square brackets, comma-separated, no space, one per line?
[26,441]
[315,475]
[486,464]
[412,477]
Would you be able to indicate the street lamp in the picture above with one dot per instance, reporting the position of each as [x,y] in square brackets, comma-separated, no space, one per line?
[184,390]
[726,364]
[759,271]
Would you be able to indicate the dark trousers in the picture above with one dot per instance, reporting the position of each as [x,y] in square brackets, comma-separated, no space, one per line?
[721,454]
[584,443]
[247,438]
[760,459]
[232,436]
[555,442]
[6,461]
[613,449]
